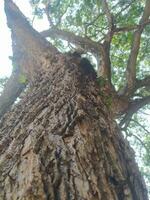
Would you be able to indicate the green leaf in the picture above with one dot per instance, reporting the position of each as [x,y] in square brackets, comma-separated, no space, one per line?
[22,79]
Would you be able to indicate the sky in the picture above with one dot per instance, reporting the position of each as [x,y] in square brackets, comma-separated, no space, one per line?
[5,36]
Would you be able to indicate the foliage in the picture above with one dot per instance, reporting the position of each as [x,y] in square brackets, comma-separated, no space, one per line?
[22,79]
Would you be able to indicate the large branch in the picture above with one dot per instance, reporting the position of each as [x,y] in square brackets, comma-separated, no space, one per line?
[109,15]
[140,83]
[145,82]
[88,45]
[105,69]
[131,65]
[26,41]
[134,106]
[23,31]
[28,49]
[83,42]
[11,91]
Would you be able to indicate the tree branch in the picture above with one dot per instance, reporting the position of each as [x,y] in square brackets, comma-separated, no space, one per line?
[123,9]
[139,83]
[28,46]
[12,90]
[88,45]
[30,49]
[133,107]
[109,15]
[131,28]
[47,11]
[131,65]
[94,20]
[142,143]
[84,43]
[29,40]
[141,126]
[142,83]
[105,68]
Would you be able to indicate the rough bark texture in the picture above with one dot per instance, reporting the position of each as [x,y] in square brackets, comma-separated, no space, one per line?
[12,89]
[59,142]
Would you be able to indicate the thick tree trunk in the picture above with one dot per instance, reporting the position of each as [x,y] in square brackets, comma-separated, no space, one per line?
[59,142]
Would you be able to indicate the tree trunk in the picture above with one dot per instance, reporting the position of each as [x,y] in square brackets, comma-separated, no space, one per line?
[59,142]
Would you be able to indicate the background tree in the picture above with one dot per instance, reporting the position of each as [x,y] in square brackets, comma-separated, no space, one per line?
[116,35]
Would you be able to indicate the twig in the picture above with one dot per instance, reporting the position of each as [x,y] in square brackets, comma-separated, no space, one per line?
[47,11]
[123,9]
[141,126]
[143,144]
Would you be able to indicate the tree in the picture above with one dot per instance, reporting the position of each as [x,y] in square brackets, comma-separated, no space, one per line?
[60,141]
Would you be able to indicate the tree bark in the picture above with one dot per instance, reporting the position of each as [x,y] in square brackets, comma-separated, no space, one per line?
[60,141]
